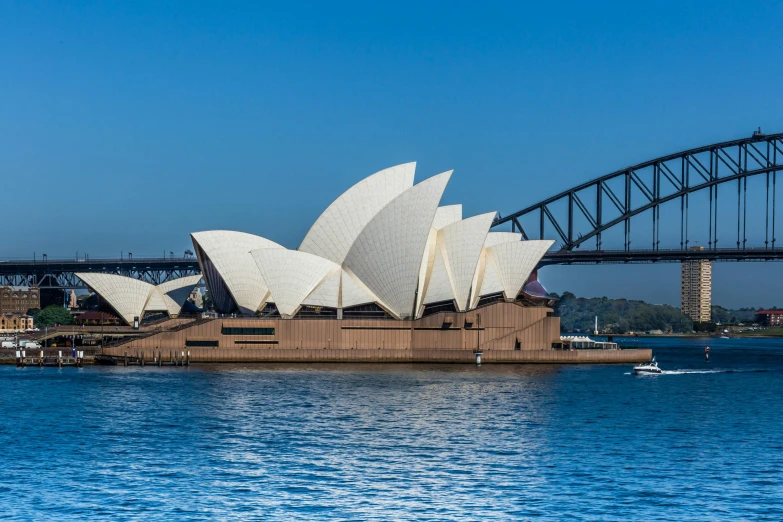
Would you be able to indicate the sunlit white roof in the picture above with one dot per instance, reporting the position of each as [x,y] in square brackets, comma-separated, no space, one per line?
[327,293]
[353,292]
[383,241]
[515,261]
[496,238]
[461,243]
[387,254]
[457,253]
[445,215]
[131,297]
[126,295]
[291,275]
[155,302]
[333,233]
[486,279]
[175,292]
[228,268]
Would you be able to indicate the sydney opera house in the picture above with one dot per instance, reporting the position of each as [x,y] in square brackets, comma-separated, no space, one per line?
[385,273]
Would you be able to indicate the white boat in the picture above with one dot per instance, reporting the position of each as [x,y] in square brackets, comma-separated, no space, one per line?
[647,369]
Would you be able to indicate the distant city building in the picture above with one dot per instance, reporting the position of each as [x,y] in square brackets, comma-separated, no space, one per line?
[19,299]
[14,322]
[73,303]
[770,317]
[196,297]
[696,297]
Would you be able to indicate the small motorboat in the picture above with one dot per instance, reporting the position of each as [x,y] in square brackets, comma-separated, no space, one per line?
[647,369]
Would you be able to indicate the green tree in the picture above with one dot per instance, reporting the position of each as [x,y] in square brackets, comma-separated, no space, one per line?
[619,316]
[720,315]
[52,315]
[206,300]
[33,312]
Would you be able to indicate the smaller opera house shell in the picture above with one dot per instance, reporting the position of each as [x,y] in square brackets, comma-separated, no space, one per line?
[384,267]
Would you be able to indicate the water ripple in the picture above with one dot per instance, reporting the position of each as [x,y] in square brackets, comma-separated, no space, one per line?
[403,442]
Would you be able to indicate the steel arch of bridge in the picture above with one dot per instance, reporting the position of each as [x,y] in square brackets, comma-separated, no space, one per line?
[703,168]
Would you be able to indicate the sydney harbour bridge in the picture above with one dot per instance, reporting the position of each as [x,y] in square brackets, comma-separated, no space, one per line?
[695,196]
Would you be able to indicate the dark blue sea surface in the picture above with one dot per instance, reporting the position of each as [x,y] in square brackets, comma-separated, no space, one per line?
[703,441]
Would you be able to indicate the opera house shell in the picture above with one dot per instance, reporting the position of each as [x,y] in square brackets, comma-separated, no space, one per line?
[384,274]
[384,247]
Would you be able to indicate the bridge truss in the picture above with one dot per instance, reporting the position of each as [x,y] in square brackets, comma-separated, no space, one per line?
[602,203]
[612,200]
[61,273]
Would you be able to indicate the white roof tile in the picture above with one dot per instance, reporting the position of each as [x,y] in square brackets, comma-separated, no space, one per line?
[387,254]
[333,233]
[229,251]
[291,275]
[126,295]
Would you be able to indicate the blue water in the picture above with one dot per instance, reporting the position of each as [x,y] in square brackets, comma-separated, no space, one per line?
[400,442]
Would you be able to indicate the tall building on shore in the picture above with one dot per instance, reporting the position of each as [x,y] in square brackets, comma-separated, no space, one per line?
[696,292]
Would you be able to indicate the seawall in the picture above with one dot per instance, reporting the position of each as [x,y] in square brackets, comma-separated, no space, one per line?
[264,355]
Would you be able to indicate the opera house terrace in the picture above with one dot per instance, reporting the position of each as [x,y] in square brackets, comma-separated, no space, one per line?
[384,274]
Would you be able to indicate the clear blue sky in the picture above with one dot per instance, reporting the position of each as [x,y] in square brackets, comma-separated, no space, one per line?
[125,126]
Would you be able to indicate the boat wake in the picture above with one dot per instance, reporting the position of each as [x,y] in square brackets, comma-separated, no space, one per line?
[715,370]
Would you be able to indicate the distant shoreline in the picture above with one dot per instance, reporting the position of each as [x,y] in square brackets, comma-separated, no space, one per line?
[690,336]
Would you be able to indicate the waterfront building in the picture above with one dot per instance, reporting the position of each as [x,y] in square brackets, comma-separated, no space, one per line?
[19,299]
[384,274]
[15,322]
[770,317]
[696,289]
[96,318]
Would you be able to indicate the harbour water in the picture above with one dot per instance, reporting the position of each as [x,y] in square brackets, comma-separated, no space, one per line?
[702,441]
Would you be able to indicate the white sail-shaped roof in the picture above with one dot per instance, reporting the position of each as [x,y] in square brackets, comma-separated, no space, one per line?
[225,261]
[333,233]
[496,238]
[487,279]
[461,243]
[291,275]
[491,283]
[174,293]
[515,261]
[387,254]
[445,215]
[458,250]
[327,293]
[438,286]
[155,302]
[126,295]
[353,292]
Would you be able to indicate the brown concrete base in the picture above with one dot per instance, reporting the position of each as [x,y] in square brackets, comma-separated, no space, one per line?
[263,355]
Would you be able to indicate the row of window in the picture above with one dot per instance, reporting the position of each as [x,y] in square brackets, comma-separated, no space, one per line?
[230,330]
[24,296]
[203,343]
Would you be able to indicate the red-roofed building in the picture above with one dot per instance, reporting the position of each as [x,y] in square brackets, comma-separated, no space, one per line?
[93,318]
[770,317]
